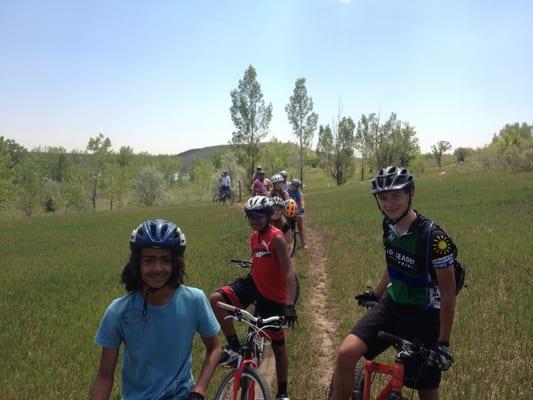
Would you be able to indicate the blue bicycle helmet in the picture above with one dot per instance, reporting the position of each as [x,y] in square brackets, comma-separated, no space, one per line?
[158,233]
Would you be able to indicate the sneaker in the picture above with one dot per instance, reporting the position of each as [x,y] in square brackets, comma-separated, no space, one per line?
[229,357]
[282,397]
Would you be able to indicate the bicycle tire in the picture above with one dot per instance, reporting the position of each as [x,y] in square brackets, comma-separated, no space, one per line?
[231,197]
[251,379]
[358,381]
[296,289]
[216,198]
[293,245]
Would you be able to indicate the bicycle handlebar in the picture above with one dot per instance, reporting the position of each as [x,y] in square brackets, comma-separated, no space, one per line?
[407,349]
[239,314]
[241,263]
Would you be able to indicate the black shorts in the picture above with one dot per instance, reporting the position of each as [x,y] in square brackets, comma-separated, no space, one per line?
[409,323]
[243,292]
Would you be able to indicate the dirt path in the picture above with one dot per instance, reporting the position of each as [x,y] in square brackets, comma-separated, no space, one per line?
[324,326]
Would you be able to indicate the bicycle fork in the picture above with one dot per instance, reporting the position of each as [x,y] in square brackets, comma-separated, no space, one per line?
[238,376]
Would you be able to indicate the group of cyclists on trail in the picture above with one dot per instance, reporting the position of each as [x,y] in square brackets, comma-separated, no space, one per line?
[158,317]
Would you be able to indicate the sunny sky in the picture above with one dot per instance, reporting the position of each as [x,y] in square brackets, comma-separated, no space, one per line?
[157,75]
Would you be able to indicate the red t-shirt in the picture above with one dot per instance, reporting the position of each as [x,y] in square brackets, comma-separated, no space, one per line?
[267,273]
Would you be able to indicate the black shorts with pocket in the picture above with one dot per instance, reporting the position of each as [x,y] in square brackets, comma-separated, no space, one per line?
[243,292]
[409,323]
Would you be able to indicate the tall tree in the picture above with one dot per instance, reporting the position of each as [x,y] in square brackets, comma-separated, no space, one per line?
[99,146]
[302,118]
[393,142]
[439,149]
[275,155]
[366,127]
[335,149]
[250,116]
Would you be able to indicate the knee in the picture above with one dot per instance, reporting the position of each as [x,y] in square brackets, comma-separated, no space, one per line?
[215,298]
[351,349]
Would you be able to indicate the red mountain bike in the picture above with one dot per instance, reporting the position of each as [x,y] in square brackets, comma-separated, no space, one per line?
[365,370]
[245,382]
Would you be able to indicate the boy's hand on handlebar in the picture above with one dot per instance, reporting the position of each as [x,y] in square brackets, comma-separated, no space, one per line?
[445,356]
[289,312]
[196,396]
[367,295]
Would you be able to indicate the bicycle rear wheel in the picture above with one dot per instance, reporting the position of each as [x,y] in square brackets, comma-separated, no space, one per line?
[252,386]
[293,244]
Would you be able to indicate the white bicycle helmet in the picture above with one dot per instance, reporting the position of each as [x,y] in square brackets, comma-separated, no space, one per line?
[277,178]
[259,205]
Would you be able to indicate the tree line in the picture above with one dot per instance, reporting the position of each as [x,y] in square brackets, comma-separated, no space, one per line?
[373,141]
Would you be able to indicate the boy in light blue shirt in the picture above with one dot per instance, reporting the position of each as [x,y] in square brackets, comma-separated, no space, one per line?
[156,321]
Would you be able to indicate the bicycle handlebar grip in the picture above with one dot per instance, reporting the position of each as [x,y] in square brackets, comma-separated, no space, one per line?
[226,306]
[389,337]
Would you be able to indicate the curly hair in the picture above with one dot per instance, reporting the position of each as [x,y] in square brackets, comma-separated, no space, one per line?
[131,274]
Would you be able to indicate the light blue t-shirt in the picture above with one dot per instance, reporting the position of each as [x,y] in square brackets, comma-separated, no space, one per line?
[157,347]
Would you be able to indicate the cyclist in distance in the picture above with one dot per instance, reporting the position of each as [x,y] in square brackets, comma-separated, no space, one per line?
[296,194]
[286,185]
[270,285]
[156,321]
[225,184]
[416,293]
[260,185]
[277,189]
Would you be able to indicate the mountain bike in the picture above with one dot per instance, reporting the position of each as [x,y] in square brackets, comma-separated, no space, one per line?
[245,264]
[224,196]
[245,382]
[365,370]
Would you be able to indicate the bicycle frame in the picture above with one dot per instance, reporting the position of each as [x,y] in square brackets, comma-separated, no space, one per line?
[394,385]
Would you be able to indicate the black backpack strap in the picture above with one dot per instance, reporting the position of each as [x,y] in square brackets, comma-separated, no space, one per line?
[428,255]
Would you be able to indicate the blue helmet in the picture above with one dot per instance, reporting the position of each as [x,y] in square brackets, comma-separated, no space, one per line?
[158,233]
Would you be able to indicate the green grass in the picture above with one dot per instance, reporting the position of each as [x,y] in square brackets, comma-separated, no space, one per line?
[59,273]
[489,217]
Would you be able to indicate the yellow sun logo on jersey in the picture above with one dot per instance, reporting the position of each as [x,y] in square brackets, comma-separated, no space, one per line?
[441,245]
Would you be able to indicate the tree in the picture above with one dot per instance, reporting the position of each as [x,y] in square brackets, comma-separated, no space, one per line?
[149,185]
[393,142]
[461,153]
[335,149]
[275,155]
[439,149]
[29,184]
[302,118]
[512,135]
[99,146]
[364,139]
[250,116]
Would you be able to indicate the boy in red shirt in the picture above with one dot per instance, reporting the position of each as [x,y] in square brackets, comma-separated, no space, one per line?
[270,285]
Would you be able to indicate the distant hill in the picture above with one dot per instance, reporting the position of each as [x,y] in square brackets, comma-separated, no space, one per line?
[187,157]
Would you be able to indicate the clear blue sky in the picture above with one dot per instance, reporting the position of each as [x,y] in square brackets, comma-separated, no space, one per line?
[157,75]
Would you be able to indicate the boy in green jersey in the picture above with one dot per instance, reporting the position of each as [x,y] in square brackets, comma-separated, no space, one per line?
[416,293]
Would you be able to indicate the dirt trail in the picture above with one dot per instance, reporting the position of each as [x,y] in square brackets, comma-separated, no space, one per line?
[324,326]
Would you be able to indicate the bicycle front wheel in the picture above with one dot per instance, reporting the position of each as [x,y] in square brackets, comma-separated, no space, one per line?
[358,383]
[231,197]
[252,386]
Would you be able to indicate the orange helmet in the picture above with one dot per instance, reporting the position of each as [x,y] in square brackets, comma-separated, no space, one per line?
[291,208]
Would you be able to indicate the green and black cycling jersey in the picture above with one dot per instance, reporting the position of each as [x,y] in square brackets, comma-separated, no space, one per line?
[412,277]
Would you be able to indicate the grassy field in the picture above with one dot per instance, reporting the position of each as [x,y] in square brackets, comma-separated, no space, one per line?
[59,273]
[489,217]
